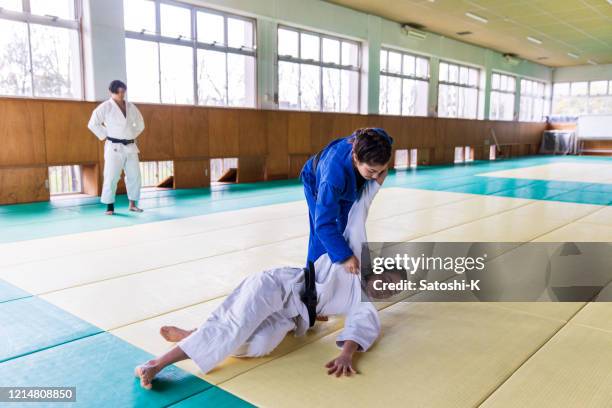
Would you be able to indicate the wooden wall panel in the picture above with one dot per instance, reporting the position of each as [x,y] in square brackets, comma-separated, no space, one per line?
[277,160]
[21,132]
[321,130]
[223,131]
[296,162]
[253,133]
[155,142]
[92,180]
[251,168]
[190,132]
[343,126]
[191,173]
[67,138]
[298,133]
[23,185]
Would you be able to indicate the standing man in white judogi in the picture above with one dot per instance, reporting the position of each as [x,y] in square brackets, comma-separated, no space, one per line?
[119,122]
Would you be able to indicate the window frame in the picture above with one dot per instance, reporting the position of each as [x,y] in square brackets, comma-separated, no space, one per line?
[586,97]
[298,60]
[403,76]
[545,97]
[25,16]
[513,93]
[196,45]
[478,87]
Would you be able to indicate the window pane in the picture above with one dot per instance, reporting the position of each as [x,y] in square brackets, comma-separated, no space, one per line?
[14,5]
[395,95]
[443,72]
[599,88]
[142,70]
[15,78]
[350,54]
[511,85]
[495,81]
[331,89]
[287,42]
[409,97]
[139,15]
[349,97]
[310,46]
[176,64]
[409,65]
[175,21]
[240,33]
[453,73]
[579,88]
[562,88]
[241,80]
[600,105]
[463,75]
[212,84]
[58,8]
[310,87]
[383,60]
[331,51]
[288,85]
[422,68]
[395,62]
[422,90]
[210,28]
[473,81]
[55,61]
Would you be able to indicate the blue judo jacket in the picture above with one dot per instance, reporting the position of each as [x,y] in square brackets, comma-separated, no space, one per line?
[330,192]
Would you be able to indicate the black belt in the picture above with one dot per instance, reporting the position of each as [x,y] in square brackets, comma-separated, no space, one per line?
[122,141]
[309,296]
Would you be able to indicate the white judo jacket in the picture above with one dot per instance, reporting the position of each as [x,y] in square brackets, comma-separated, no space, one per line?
[259,313]
[107,120]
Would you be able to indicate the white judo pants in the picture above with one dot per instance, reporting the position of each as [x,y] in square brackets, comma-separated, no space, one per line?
[117,158]
[251,322]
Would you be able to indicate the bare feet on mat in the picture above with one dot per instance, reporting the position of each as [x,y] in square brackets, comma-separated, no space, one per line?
[133,208]
[109,212]
[173,333]
[146,372]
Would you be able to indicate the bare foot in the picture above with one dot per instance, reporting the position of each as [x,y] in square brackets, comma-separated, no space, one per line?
[173,333]
[146,372]
[109,212]
[135,209]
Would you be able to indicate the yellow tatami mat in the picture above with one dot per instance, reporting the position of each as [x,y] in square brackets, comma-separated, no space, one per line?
[133,280]
[582,172]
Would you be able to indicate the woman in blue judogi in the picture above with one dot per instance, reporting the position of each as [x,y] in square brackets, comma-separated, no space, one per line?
[332,181]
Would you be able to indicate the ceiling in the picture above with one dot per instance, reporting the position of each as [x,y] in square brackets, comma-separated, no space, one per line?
[580,27]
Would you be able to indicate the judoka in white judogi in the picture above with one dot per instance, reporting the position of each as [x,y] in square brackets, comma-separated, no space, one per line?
[258,314]
[107,120]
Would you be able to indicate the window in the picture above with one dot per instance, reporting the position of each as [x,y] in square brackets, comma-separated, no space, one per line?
[458,91]
[40,49]
[402,159]
[223,170]
[65,180]
[155,172]
[535,104]
[182,54]
[317,72]
[404,83]
[503,88]
[577,98]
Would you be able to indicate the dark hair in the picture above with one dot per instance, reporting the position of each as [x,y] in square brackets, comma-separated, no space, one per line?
[116,85]
[372,145]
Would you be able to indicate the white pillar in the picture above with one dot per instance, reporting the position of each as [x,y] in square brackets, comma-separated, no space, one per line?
[103,46]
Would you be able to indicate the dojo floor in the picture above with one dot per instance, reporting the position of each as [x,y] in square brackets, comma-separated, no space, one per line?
[82,295]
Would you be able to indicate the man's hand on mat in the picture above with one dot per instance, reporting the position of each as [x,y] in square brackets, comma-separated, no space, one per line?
[342,365]
[351,265]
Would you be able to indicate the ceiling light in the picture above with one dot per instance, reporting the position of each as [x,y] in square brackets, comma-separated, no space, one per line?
[571,54]
[591,61]
[534,40]
[477,17]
